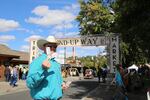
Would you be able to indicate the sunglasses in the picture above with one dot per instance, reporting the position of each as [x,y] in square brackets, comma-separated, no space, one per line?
[50,45]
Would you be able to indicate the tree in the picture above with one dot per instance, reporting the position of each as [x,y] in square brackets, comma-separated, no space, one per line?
[97,61]
[133,22]
[94,18]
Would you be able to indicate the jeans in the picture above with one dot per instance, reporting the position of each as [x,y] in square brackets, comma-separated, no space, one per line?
[23,76]
[7,77]
[13,81]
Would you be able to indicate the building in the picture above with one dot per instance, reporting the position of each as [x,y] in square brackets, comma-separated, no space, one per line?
[11,57]
[23,58]
[33,49]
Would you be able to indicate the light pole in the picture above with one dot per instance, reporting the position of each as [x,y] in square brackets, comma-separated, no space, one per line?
[64,55]
[93,59]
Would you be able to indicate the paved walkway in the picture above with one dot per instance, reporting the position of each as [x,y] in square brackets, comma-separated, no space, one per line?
[102,92]
[5,88]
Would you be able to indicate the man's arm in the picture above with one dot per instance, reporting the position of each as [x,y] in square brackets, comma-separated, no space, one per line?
[34,80]
[37,72]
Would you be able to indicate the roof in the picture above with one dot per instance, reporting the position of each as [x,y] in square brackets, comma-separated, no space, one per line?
[4,50]
[23,56]
[16,55]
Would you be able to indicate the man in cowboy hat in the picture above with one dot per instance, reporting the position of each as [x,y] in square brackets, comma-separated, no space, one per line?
[44,78]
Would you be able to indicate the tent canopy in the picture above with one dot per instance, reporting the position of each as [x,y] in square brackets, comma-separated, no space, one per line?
[133,67]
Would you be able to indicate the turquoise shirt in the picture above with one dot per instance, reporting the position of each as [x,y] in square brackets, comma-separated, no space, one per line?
[118,79]
[44,84]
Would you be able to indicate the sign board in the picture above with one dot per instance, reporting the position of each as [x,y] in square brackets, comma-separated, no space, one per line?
[114,52]
[84,41]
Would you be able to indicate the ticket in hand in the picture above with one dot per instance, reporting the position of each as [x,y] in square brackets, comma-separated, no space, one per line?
[68,83]
[48,52]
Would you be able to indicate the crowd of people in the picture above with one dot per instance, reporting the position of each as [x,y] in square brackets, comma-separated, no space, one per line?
[14,73]
[130,80]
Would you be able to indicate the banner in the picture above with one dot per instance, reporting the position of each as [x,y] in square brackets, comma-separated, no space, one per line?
[84,41]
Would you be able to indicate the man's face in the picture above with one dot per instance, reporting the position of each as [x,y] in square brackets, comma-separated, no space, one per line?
[52,46]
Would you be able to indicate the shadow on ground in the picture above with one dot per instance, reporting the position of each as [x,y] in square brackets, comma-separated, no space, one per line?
[106,92]
[80,88]
[92,90]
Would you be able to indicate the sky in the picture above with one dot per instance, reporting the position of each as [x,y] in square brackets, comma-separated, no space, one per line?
[22,20]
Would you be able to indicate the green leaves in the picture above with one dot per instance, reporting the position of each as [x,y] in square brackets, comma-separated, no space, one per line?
[97,61]
[94,18]
[132,22]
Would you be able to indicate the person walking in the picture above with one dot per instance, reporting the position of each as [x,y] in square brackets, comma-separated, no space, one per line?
[104,74]
[44,77]
[7,73]
[121,92]
[11,75]
[14,76]
[20,73]
[99,74]
[24,73]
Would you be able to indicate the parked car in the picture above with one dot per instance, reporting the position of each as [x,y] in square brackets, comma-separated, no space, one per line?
[89,74]
[73,72]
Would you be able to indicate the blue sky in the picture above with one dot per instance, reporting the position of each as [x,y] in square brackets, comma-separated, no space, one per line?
[22,20]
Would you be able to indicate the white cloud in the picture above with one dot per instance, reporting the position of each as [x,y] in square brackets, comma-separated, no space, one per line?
[25,48]
[6,38]
[71,34]
[63,26]
[41,10]
[73,7]
[33,37]
[24,30]
[58,34]
[63,35]
[7,25]
[46,17]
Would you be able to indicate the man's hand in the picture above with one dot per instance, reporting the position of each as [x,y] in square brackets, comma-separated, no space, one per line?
[64,87]
[113,81]
[46,64]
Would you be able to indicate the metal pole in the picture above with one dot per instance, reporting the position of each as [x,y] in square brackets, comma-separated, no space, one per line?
[64,55]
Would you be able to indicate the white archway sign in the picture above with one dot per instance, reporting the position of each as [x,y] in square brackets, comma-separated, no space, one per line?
[112,43]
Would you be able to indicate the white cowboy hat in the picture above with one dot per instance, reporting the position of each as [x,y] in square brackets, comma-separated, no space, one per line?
[50,39]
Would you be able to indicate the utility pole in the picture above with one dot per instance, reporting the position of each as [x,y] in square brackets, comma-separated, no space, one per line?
[64,55]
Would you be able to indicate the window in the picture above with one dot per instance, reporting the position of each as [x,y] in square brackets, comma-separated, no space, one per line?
[33,58]
[33,53]
[33,48]
[33,42]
